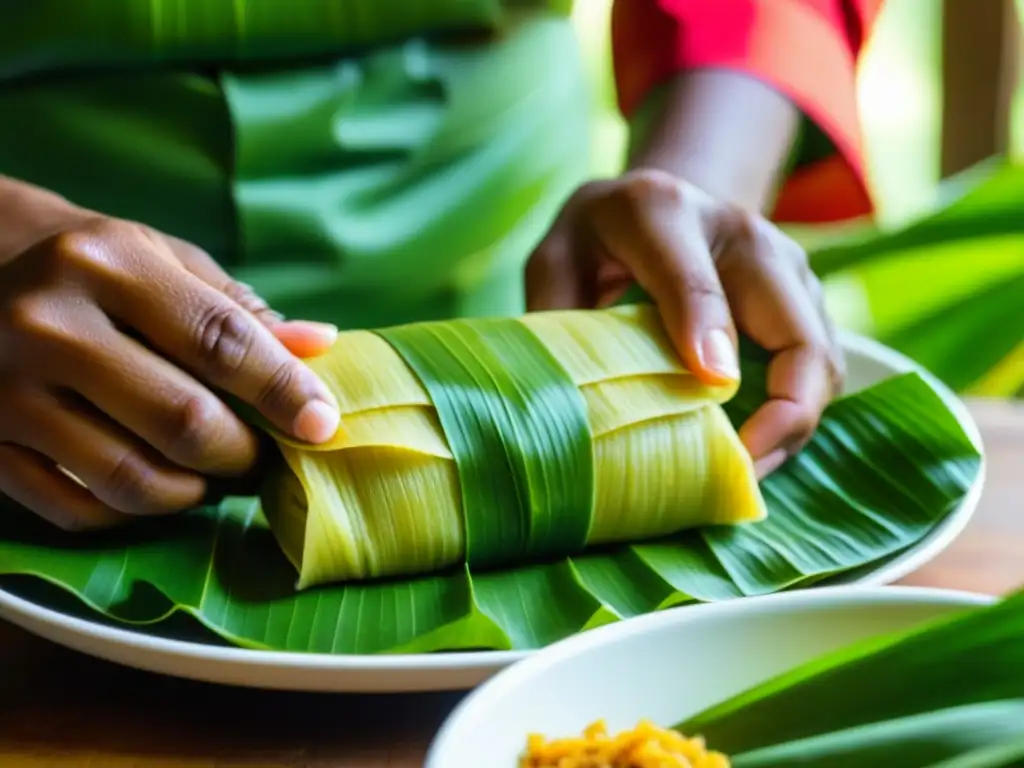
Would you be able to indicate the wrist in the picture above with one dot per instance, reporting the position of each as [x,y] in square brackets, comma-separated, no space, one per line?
[724,132]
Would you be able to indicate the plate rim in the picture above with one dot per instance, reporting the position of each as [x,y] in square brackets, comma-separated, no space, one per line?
[163,655]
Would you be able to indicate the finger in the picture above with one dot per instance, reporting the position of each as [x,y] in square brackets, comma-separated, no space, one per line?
[553,277]
[837,362]
[798,391]
[115,467]
[651,227]
[556,277]
[305,339]
[81,351]
[301,338]
[772,306]
[34,482]
[770,462]
[202,265]
[212,336]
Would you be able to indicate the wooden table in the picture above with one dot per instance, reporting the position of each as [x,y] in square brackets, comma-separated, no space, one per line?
[61,709]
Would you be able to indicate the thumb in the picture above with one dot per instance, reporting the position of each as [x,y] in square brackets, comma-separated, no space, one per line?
[302,338]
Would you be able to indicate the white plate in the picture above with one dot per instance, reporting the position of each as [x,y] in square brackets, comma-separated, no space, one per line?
[867,361]
[670,666]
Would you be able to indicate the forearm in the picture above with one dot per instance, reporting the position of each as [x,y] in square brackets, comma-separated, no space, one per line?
[726,132]
[736,74]
[28,214]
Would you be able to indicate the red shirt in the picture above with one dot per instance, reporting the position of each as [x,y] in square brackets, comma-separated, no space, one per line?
[808,49]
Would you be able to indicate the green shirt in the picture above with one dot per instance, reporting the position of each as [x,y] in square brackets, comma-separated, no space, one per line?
[347,178]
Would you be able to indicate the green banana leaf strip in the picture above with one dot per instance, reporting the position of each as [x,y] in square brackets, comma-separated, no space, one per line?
[1003,755]
[965,342]
[944,288]
[626,585]
[518,428]
[221,565]
[950,689]
[980,202]
[539,604]
[917,740]
[689,565]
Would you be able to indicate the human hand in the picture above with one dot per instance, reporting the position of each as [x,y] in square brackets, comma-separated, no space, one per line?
[114,340]
[712,269]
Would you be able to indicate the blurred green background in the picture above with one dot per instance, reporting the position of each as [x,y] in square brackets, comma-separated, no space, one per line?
[940,274]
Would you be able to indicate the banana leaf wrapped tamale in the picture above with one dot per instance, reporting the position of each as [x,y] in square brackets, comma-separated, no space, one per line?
[498,441]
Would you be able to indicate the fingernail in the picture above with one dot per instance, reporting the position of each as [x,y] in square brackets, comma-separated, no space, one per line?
[718,353]
[317,422]
[769,463]
[324,333]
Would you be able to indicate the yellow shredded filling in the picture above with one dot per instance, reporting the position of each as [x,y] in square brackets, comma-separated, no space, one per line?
[646,746]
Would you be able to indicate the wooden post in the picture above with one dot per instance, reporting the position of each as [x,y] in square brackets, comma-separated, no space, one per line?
[980,70]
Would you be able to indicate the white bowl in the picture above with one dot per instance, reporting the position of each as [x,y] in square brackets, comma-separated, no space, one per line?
[669,666]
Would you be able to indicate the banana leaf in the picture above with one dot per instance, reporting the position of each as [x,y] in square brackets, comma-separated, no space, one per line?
[948,694]
[534,437]
[946,289]
[887,465]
